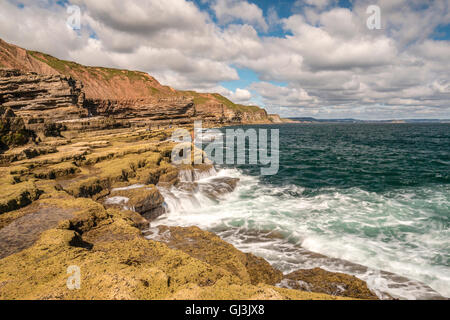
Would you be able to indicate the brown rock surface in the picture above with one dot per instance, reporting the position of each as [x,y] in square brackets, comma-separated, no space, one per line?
[209,248]
[144,200]
[116,262]
[13,131]
[332,283]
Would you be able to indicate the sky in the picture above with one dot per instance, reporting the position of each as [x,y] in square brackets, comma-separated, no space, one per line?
[304,58]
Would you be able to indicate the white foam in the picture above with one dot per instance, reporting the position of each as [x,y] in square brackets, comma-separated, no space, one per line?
[132,187]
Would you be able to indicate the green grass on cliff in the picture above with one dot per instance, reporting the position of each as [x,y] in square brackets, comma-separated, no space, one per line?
[200,99]
[61,66]
[108,74]
[64,67]
[234,106]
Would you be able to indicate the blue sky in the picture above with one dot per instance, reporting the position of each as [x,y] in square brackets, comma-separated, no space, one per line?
[298,58]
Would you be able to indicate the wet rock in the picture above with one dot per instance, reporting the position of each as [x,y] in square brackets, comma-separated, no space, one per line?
[322,281]
[143,200]
[192,173]
[168,179]
[216,188]
[190,187]
[20,229]
[154,213]
[24,231]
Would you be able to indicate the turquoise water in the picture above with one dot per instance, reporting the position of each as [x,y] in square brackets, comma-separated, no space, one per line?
[373,199]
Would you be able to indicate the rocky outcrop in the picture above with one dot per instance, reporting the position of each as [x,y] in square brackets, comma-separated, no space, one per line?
[145,200]
[116,262]
[209,248]
[12,129]
[53,214]
[216,108]
[332,283]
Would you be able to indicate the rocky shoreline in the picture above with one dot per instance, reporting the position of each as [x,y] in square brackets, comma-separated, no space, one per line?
[84,170]
[55,214]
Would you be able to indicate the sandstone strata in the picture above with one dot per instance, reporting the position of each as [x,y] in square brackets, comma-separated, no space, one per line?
[36,98]
[124,94]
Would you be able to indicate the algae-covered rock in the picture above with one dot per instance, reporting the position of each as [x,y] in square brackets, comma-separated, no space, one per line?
[121,264]
[332,283]
[149,175]
[57,171]
[88,187]
[208,247]
[116,262]
[20,229]
[12,129]
[245,292]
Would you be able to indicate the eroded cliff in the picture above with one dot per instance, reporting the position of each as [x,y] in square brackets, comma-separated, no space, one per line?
[131,95]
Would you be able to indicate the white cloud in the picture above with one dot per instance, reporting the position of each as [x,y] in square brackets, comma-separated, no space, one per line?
[241,96]
[283,96]
[328,61]
[228,11]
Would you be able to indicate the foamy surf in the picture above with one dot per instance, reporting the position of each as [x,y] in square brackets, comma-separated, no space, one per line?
[351,231]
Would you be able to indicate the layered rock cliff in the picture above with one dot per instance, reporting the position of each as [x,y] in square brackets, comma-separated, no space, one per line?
[122,93]
[35,97]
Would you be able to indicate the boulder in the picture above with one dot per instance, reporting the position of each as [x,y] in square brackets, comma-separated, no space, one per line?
[332,283]
[146,200]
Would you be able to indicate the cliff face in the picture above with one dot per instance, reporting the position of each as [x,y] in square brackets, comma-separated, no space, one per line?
[162,109]
[12,129]
[127,94]
[275,118]
[37,97]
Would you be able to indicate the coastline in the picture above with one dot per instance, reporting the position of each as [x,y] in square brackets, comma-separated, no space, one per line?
[70,222]
[67,223]
[82,186]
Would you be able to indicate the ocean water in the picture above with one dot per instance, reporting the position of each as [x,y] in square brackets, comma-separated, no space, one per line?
[372,200]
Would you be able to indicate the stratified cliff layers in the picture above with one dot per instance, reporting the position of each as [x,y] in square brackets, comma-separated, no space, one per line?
[36,97]
[124,94]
